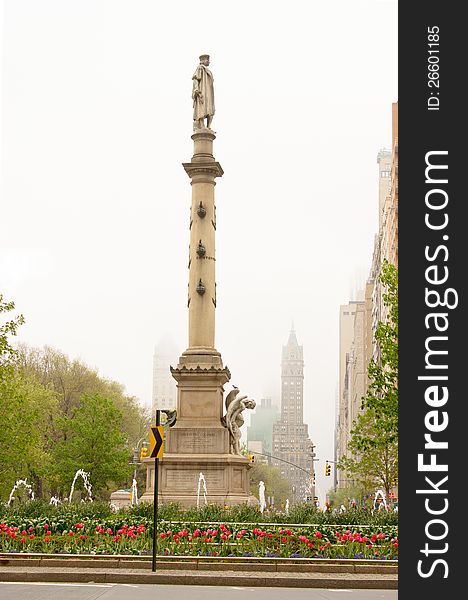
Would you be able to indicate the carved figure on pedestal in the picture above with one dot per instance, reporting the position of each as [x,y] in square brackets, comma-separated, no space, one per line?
[203,94]
[233,418]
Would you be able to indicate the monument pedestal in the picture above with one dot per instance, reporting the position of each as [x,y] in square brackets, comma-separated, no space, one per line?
[199,443]
[226,476]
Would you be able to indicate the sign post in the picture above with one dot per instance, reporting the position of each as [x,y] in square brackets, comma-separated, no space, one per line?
[156,452]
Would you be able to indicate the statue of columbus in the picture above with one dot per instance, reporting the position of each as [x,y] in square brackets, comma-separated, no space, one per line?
[203,94]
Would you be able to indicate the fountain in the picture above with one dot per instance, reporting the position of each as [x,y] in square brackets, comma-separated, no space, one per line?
[286,508]
[134,492]
[201,479]
[381,494]
[261,495]
[85,476]
[55,500]
[18,483]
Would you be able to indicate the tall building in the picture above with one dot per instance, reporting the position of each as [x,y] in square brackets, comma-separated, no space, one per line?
[384,161]
[359,320]
[291,441]
[386,242]
[390,224]
[352,375]
[260,430]
[164,387]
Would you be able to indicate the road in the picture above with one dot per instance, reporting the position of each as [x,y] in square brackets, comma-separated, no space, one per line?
[109,591]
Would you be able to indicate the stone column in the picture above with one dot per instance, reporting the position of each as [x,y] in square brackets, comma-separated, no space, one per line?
[202,170]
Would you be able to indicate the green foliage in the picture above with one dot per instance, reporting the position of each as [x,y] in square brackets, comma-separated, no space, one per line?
[8,327]
[377,455]
[39,511]
[275,484]
[93,441]
[243,513]
[382,392]
[24,431]
[22,403]
[71,379]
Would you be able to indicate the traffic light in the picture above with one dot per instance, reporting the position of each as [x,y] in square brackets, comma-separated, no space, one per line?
[327,469]
[143,453]
[251,458]
[313,478]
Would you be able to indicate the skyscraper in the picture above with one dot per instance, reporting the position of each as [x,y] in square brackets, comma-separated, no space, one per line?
[164,387]
[291,441]
[260,430]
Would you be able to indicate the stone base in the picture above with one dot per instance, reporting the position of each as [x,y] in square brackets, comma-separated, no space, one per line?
[226,476]
[121,498]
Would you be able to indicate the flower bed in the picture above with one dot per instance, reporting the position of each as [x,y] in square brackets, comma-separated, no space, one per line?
[115,537]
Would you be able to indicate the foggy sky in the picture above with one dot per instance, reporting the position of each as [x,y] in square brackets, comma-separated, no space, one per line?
[96,121]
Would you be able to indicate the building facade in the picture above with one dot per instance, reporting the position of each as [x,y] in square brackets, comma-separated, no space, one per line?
[352,375]
[291,441]
[164,386]
[359,319]
[260,430]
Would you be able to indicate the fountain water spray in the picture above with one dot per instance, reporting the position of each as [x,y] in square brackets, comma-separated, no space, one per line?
[286,508]
[55,500]
[85,476]
[134,492]
[18,483]
[261,495]
[201,479]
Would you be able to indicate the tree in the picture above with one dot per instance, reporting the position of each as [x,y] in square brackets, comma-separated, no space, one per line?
[374,456]
[382,391]
[23,409]
[7,328]
[374,438]
[275,484]
[23,432]
[71,378]
[93,441]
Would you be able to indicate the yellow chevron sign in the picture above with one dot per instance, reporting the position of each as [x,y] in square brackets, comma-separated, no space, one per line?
[156,441]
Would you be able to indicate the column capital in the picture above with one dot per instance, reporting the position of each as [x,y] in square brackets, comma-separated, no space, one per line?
[208,169]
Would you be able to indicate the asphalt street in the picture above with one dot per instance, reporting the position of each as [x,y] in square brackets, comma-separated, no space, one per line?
[109,591]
